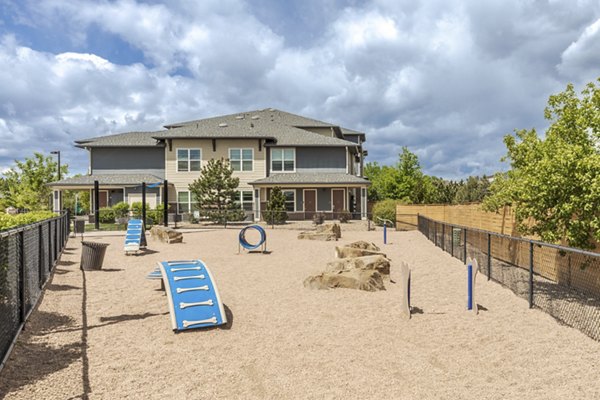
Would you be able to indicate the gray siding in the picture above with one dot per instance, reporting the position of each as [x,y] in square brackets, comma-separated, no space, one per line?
[129,160]
[323,199]
[320,159]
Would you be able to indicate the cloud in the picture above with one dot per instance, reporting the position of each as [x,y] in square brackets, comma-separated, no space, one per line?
[446,78]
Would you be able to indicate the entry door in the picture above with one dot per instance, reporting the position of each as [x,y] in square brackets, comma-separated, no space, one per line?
[103,198]
[337,201]
[310,203]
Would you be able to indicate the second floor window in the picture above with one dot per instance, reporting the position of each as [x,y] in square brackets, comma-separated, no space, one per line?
[241,159]
[283,160]
[188,160]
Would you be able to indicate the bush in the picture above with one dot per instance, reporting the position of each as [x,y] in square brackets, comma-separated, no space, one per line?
[107,216]
[10,221]
[155,216]
[136,209]
[385,209]
[121,209]
[345,216]
[319,218]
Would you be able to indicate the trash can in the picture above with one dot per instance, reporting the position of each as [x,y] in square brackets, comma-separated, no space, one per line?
[92,255]
[79,226]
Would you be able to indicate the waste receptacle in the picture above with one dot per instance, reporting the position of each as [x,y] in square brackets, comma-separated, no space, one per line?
[79,226]
[92,255]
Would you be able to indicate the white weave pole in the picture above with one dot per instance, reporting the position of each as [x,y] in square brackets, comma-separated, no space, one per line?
[405,286]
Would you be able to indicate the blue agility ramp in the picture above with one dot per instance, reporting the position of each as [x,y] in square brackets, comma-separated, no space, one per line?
[193,296]
[133,236]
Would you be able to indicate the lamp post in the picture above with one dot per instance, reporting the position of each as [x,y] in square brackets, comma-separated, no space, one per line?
[57,152]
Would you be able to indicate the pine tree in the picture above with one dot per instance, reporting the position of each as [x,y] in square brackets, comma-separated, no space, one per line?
[276,212]
[215,192]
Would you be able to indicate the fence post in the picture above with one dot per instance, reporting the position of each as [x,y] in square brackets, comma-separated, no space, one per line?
[22,276]
[530,274]
[50,245]
[489,258]
[443,236]
[465,245]
[40,255]
[452,241]
[55,241]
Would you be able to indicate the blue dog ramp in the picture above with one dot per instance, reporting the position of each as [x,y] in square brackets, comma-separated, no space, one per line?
[193,296]
[133,236]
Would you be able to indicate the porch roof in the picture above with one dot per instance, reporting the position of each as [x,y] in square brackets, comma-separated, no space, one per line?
[312,179]
[87,181]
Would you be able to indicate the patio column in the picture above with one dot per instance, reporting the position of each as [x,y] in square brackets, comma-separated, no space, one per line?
[363,204]
[56,201]
[256,205]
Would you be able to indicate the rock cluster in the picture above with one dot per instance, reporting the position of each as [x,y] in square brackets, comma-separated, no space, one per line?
[359,265]
[166,234]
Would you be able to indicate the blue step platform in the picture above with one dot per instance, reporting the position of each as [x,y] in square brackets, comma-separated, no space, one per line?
[193,296]
[133,236]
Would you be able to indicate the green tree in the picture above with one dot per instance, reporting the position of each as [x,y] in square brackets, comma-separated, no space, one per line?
[25,185]
[473,190]
[554,182]
[276,212]
[215,192]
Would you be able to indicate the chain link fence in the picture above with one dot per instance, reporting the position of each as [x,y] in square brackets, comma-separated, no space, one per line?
[562,281]
[27,256]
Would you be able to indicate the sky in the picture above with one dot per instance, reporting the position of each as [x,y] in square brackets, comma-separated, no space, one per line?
[446,78]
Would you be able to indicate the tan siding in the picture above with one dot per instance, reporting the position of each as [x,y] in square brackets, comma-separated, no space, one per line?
[181,180]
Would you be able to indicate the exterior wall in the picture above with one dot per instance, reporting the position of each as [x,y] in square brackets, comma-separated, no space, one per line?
[323,199]
[320,159]
[181,180]
[128,160]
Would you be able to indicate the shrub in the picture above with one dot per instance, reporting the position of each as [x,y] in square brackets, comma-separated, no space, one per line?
[319,218]
[10,221]
[385,209]
[136,209]
[107,216]
[345,216]
[121,209]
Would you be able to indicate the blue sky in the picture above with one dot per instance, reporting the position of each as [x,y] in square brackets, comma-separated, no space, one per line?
[446,78]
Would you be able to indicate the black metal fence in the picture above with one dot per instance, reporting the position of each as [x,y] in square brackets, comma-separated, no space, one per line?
[27,256]
[562,281]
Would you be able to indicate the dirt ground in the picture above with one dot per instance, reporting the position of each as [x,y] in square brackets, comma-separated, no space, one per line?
[107,335]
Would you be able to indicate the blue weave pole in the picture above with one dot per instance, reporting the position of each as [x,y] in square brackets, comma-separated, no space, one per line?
[385,233]
[252,246]
[470,287]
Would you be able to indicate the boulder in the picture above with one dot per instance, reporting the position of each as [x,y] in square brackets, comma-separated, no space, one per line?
[330,228]
[367,263]
[311,235]
[369,280]
[348,252]
[361,244]
[165,234]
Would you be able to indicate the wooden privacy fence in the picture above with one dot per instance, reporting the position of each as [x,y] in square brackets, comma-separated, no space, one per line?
[470,215]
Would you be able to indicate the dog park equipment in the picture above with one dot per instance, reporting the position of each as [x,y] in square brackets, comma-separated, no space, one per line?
[405,287]
[472,268]
[252,246]
[385,222]
[193,297]
[133,236]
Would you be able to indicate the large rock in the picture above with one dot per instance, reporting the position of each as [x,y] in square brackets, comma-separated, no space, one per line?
[327,232]
[348,252]
[367,263]
[166,234]
[369,280]
[361,244]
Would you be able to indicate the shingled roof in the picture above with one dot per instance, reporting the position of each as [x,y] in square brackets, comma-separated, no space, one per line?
[108,180]
[279,127]
[311,179]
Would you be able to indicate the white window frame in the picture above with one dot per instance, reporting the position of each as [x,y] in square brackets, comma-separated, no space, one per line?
[189,160]
[189,202]
[294,193]
[241,199]
[283,159]
[241,160]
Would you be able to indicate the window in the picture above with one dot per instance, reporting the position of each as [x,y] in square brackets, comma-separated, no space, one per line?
[241,159]
[283,160]
[188,160]
[186,202]
[290,200]
[244,199]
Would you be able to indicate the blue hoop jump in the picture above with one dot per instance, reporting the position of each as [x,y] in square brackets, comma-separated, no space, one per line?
[253,246]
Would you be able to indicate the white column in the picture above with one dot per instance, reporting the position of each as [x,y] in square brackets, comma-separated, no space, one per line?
[363,203]
[256,205]
[56,206]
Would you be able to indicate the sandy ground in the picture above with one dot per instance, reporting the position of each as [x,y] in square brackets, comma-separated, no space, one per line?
[106,334]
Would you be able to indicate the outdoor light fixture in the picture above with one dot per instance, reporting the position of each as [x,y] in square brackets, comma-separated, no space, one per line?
[57,152]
